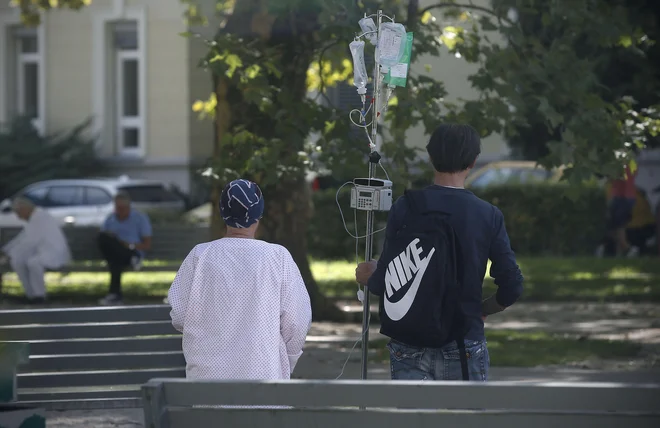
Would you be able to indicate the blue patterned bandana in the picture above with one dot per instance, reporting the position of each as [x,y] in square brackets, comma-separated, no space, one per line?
[241,204]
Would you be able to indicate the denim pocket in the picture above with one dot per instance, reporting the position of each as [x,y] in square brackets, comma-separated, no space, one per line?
[477,361]
[406,362]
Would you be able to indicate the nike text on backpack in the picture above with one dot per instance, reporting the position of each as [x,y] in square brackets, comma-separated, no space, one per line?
[420,305]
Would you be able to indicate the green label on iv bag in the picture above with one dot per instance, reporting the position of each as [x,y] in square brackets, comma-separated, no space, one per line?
[398,74]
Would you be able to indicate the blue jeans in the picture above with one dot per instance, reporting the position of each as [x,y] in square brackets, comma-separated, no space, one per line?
[412,363]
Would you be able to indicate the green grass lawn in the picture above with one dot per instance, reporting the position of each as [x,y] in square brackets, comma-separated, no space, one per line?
[529,349]
[546,279]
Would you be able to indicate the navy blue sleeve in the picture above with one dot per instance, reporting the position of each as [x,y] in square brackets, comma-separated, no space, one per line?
[144,227]
[504,268]
[376,283]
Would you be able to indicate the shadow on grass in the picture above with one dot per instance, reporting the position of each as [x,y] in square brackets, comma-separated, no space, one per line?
[529,349]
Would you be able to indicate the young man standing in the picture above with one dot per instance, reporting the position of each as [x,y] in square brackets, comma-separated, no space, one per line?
[475,233]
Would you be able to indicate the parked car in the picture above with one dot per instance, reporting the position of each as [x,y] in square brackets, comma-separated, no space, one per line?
[87,202]
[503,172]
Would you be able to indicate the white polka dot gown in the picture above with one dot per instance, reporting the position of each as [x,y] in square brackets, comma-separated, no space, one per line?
[243,309]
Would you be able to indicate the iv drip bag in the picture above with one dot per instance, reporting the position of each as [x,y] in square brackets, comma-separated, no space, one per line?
[367,25]
[360,76]
[391,44]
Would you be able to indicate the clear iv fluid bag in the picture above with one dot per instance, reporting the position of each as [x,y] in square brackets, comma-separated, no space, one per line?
[360,76]
[367,25]
[391,44]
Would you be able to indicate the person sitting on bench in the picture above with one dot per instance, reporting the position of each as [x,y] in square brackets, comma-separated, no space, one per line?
[124,237]
[41,245]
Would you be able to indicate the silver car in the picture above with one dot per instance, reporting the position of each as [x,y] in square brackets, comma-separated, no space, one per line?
[87,202]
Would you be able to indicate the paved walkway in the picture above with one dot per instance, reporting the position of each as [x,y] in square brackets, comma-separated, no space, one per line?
[329,345]
[126,418]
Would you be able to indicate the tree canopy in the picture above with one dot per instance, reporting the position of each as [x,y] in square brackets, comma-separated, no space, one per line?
[543,77]
[573,82]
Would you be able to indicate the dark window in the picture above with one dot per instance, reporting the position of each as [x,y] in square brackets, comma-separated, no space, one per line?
[150,193]
[131,138]
[64,196]
[494,176]
[131,107]
[534,175]
[36,195]
[97,196]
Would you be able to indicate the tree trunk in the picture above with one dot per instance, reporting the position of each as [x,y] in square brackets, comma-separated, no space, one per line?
[288,202]
[288,208]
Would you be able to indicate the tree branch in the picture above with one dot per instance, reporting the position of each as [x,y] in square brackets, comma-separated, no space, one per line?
[465,6]
[413,7]
[322,88]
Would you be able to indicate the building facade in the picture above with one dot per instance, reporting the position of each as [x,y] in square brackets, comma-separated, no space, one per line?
[124,64]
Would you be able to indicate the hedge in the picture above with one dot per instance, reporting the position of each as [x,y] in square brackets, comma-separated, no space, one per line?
[557,219]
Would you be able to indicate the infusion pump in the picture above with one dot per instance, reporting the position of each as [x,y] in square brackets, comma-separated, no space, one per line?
[371,194]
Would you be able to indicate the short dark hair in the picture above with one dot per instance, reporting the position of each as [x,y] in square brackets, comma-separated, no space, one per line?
[122,196]
[453,147]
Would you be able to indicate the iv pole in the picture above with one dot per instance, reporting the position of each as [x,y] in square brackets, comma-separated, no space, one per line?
[374,158]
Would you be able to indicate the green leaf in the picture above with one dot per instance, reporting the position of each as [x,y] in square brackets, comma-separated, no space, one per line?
[551,115]
[632,164]
[625,41]
[546,20]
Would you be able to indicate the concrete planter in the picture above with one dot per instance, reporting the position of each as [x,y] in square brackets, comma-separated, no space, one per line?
[12,354]
[14,416]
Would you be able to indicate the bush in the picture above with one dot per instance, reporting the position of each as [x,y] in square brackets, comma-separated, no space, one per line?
[327,238]
[27,157]
[555,219]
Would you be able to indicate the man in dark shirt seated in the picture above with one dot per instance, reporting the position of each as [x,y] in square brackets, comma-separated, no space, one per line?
[481,234]
[124,238]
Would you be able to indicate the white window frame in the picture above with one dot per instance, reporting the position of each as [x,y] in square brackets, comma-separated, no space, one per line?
[127,122]
[104,92]
[11,77]
[23,59]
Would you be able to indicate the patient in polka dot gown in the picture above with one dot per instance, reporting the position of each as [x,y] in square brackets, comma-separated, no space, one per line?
[240,303]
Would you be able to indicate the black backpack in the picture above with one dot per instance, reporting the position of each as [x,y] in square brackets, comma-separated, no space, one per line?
[420,305]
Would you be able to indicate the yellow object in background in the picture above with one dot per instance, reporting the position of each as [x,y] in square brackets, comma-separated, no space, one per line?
[641,215]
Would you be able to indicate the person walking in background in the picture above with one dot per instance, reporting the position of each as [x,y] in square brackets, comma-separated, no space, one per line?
[640,230]
[39,246]
[124,238]
[620,211]
[240,302]
[438,241]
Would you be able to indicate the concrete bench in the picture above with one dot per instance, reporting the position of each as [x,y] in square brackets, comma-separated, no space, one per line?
[170,245]
[177,403]
[12,355]
[92,357]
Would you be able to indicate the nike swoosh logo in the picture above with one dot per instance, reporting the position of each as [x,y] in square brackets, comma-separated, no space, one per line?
[397,310]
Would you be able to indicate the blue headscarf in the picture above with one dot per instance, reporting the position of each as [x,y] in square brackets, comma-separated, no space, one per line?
[241,204]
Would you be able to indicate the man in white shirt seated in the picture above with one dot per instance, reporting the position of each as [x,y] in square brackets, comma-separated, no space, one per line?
[240,302]
[41,245]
